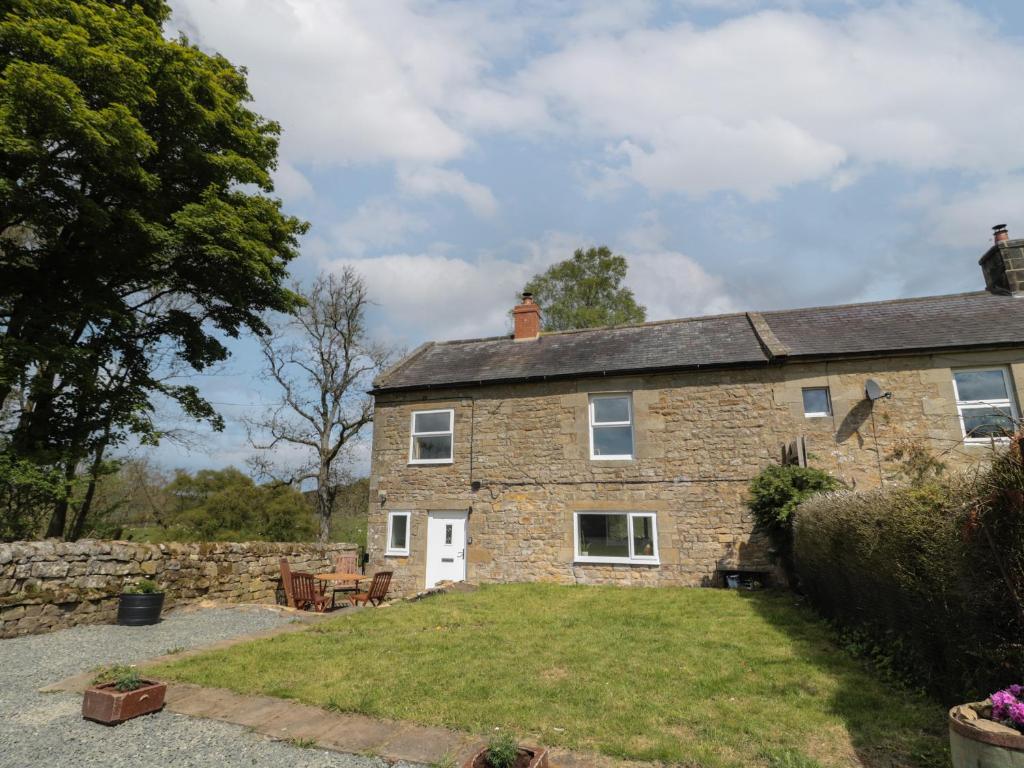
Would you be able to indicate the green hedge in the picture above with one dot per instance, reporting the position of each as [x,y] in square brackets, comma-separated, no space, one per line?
[928,576]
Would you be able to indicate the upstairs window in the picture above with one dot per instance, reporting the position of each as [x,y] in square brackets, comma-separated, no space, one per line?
[432,437]
[398,533]
[611,427]
[817,402]
[985,402]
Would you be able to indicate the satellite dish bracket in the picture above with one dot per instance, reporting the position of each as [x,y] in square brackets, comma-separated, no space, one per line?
[873,391]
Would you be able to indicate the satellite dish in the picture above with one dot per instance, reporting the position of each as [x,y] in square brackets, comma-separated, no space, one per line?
[873,390]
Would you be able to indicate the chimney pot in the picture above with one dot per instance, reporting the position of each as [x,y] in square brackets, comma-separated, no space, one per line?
[1003,264]
[526,318]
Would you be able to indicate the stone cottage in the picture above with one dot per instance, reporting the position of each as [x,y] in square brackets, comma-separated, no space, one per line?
[623,455]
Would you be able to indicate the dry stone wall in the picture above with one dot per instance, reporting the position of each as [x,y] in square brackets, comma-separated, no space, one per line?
[46,585]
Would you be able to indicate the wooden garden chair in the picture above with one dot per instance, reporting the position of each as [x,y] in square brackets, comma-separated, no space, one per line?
[377,592]
[306,594]
[345,563]
[286,583]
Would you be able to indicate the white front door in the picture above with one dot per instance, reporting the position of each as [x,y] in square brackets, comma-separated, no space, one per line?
[446,547]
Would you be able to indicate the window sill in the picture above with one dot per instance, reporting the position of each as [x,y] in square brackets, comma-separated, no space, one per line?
[396,554]
[611,458]
[612,561]
[985,442]
[817,415]
[428,462]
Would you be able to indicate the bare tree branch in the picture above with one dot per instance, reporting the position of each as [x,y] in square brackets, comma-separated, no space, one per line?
[323,361]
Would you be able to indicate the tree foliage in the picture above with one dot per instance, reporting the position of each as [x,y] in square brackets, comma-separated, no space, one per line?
[137,227]
[775,494]
[777,491]
[586,291]
[226,505]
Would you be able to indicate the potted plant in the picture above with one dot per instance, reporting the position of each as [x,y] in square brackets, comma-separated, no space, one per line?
[118,693]
[140,604]
[989,733]
[503,751]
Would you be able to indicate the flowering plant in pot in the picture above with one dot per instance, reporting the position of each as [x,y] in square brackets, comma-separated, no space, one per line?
[990,732]
[503,751]
[140,603]
[118,693]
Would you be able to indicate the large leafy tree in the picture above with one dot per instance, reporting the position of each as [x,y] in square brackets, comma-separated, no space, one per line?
[586,291]
[137,225]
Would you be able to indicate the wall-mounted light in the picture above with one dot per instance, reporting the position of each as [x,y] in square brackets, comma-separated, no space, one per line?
[382,498]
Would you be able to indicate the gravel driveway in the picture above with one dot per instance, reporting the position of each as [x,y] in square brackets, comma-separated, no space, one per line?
[46,729]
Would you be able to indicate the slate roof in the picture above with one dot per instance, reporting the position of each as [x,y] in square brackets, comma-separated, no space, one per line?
[968,320]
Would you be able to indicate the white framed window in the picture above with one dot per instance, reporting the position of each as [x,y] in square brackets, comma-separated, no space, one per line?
[432,437]
[985,403]
[611,427]
[616,537]
[398,533]
[817,402]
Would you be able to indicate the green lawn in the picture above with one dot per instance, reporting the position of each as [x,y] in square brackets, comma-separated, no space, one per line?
[694,676]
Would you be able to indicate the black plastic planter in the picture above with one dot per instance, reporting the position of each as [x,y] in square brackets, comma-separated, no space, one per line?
[140,610]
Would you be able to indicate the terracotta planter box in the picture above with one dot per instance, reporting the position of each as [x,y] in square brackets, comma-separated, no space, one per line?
[105,704]
[976,742]
[537,756]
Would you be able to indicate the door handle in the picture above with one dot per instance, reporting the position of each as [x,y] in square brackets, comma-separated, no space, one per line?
[462,553]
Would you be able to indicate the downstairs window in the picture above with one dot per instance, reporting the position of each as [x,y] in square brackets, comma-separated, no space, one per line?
[398,533]
[616,537]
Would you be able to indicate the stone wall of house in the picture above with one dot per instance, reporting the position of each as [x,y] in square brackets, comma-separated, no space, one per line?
[46,585]
[522,467]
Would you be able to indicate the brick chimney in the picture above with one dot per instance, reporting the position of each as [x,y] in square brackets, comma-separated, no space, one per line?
[527,319]
[1003,264]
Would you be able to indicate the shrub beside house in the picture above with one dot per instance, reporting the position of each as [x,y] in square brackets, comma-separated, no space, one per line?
[930,576]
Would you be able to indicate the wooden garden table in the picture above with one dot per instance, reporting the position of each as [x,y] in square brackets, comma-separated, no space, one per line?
[341,577]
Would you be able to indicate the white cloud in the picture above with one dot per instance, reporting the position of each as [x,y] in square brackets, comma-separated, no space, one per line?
[377,223]
[349,82]
[963,220]
[754,104]
[761,102]
[369,82]
[698,155]
[670,284]
[667,282]
[426,181]
[290,183]
[424,296]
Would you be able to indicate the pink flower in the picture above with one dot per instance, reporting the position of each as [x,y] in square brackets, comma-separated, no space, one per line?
[1016,690]
[1017,714]
[1001,703]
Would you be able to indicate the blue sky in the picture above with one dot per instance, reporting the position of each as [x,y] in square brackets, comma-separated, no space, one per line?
[741,154]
